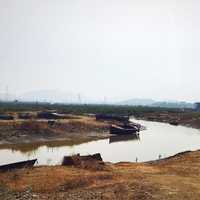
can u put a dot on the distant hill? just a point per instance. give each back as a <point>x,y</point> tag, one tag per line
<point>137,102</point>
<point>153,103</point>
<point>56,96</point>
<point>173,104</point>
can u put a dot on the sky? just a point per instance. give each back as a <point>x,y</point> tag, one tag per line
<point>113,49</point>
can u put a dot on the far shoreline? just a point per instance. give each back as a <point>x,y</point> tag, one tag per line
<point>82,129</point>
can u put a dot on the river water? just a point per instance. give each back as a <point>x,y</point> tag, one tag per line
<point>159,139</point>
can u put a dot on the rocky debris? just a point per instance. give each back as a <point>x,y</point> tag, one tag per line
<point>119,191</point>
<point>27,194</point>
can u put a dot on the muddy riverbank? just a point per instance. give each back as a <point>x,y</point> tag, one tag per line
<point>190,119</point>
<point>70,131</point>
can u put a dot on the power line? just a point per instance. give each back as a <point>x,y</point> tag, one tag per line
<point>7,93</point>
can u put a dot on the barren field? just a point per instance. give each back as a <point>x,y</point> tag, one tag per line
<point>190,119</point>
<point>175,178</point>
<point>76,130</point>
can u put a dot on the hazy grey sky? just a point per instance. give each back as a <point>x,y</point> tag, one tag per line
<point>112,48</point>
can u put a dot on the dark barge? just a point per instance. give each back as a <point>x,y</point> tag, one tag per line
<point>6,117</point>
<point>174,123</point>
<point>111,117</point>
<point>124,129</point>
<point>18,165</point>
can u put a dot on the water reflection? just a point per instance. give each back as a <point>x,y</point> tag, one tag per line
<point>27,148</point>
<point>123,138</point>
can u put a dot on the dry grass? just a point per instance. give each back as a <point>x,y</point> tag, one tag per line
<point>82,124</point>
<point>32,125</point>
<point>37,132</point>
<point>183,118</point>
<point>49,179</point>
<point>73,124</point>
<point>171,179</point>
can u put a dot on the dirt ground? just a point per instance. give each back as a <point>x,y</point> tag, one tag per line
<point>175,178</point>
<point>76,130</point>
<point>190,119</point>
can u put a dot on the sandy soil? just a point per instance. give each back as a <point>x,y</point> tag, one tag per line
<point>175,178</point>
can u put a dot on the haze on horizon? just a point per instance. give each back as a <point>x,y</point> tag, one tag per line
<point>114,49</point>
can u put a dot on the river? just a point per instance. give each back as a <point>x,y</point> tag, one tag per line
<point>158,140</point>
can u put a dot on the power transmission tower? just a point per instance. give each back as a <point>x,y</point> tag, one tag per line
<point>79,99</point>
<point>7,94</point>
<point>104,100</point>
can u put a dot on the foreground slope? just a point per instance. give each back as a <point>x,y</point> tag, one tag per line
<point>174,178</point>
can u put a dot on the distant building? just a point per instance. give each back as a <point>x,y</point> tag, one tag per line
<point>197,107</point>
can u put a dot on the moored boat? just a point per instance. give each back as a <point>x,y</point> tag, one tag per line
<point>174,123</point>
<point>123,129</point>
<point>18,165</point>
<point>6,117</point>
<point>112,117</point>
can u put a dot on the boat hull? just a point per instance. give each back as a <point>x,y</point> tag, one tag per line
<point>18,165</point>
<point>108,117</point>
<point>118,130</point>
